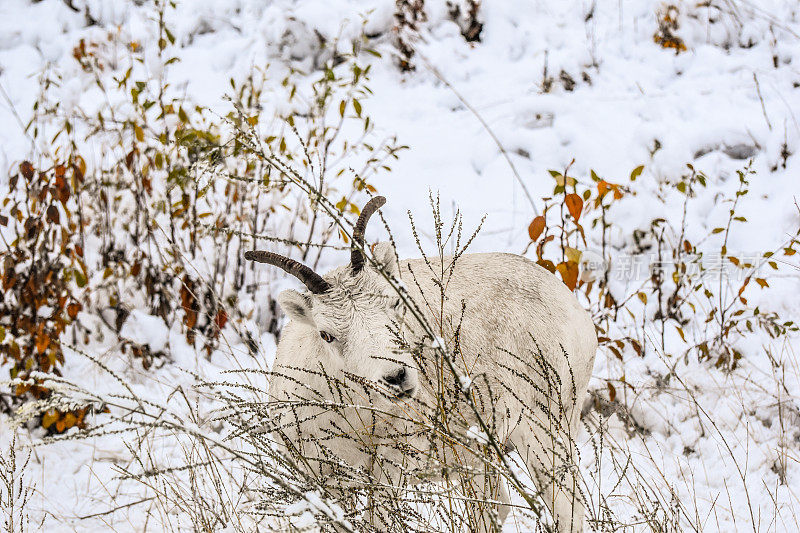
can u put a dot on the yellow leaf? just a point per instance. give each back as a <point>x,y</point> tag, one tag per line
<point>49,417</point>
<point>139,132</point>
<point>573,254</point>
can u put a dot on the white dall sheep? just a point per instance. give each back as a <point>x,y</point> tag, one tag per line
<point>522,338</point>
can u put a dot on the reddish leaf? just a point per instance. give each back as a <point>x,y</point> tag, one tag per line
<point>221,319</point>
<point>536,228</point>
<point>574,205</point>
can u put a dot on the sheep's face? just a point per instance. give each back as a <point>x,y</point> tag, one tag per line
<point>354,326</point>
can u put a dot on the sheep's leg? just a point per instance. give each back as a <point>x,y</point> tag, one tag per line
<point>505,500</point>
<point>550,461</point>
<point>482,514</point>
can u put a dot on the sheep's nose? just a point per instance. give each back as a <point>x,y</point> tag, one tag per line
<point>397,378</point>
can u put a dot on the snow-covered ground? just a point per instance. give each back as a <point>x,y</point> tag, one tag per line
<point>548,82</point>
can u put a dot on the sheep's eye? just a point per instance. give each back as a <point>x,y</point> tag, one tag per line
<point>327,337</point>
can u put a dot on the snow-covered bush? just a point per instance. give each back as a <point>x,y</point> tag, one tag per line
<point>142,200</point>
<point>658,274</point>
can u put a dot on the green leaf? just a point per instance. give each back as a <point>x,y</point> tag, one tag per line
<point>636,172</point>
<point>357,107</point>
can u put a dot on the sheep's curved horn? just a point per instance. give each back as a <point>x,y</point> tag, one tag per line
<point>310,279</point>
<point>357,247</point>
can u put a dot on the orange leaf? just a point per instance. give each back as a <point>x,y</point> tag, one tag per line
<point>73,309</point>
<point>42,342</point>
<point>70,420</point>
<point>536,228</point>
<point>569,273</point>
<point>574,205</point>
<point>762,282</point>
<point>191,319</point>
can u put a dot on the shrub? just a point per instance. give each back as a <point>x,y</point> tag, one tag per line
<point>160,220</point>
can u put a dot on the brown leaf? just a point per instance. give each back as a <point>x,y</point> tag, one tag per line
<point>26,168</point>
<point>53,215</point>
<point>536,227</point>
<point>637,347</point>
<point>762,282</point>
<point>73,309</point>
<point>612,392</point>
<point>574,205</point>
<point>62,188</point>
<point>546,263</point>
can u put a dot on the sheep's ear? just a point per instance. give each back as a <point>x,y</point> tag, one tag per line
<point>385,255</point>
<point>296,306</point>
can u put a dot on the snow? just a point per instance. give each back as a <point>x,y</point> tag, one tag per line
<point>722,444</point>
<point>142,328</point>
